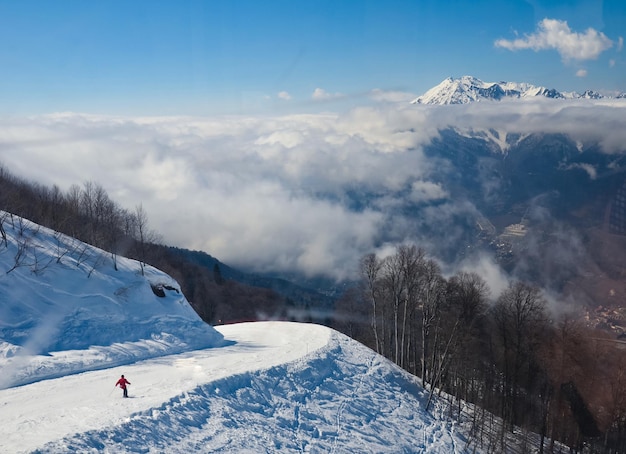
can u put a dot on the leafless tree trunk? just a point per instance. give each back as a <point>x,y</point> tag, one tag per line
<point>20,255</point>
<point>370,269</point>
<point>141,219</point>
<point>2,231</point>
<point>431,295</point>
<point>519,314</point>
<point>394,284</point>
<point>412,264</point>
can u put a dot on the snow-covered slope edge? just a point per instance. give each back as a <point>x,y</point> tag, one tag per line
<point>65,308</point>
<point>341,397</point>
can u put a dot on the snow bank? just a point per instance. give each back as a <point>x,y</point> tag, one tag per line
<point>58,294</point>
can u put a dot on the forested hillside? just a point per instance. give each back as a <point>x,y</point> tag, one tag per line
<point>512,353</point>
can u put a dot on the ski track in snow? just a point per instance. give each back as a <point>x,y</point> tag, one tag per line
<point>279,387</point>
<point>69,329</point>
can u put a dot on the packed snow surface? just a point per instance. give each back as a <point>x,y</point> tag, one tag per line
<point>276,387</point>
<point>74,318</point>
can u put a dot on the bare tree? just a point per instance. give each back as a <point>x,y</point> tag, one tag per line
<point>393,281</point>
<point>3,233</point>
<point>370,271</point>
<point>21,254</point>
<point>519,316</point>
<point>141,224</point>
<point>412,262</point>
<point>87,208</point>
<point>62,249</point>
<point>432,291</point>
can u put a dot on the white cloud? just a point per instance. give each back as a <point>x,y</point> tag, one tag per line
<point>581,73</point>
<point>544,115</point>
<point>274,193</point>
<point>391,96</point>
<point>319,94</point>
<point>556,34</point>
<point>284,95</point>
<point>426,191</point>
<point>592,172</point>
<point>286,138</point>
<point>485,266</point>
<point>254,191</point>
<point>620,43</point>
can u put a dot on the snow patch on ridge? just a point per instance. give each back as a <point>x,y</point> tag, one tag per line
<point>499,138</point>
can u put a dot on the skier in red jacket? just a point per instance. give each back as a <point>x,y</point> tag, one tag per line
<point>122,382</point>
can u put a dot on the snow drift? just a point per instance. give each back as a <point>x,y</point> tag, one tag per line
<point>58,294</point>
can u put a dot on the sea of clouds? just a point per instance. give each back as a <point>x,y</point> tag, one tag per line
<point>310,193</point>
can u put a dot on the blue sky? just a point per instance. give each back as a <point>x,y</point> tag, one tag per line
<point>206,57</point>
<point>131,95</point>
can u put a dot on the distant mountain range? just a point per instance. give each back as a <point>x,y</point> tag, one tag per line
<point>469,89</point>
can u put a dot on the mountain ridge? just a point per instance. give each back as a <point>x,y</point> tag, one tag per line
<point>468,89</point>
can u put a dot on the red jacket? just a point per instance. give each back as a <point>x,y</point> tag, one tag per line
<point>122,382</point>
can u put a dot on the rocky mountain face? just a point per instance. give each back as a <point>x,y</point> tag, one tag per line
<point>549,209</point>
<point>549,212</point>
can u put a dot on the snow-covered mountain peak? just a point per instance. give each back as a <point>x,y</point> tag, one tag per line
<point>591,94</point>
<point>468,89</point>
<point>463,90</point>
